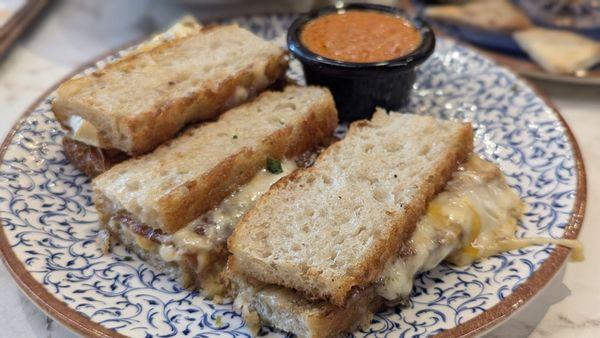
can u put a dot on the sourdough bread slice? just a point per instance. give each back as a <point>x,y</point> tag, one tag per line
<point>187,176</point>
<point>144,99</point>
<point>290,311</point>
<point>334,226</point>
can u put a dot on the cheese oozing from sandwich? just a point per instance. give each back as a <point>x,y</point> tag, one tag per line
<point>199,248</point>
<point>214,227</point>
<point>474,217</point>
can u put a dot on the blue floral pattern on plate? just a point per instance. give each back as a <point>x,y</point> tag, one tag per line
<point>51,224</point>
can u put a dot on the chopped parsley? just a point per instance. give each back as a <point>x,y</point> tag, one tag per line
<point>218,321</point>
<point>234,137</point>
<point>127,258</point>
<point>274,166</point>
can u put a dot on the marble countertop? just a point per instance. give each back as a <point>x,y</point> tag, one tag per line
<point>71,33</point>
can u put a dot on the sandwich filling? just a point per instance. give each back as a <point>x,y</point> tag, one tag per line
<point>474,217</point>
<point>199,248</point>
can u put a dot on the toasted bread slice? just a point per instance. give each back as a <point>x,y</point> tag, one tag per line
<point>143,100</point>
<point>557,51</point>
<point>494,15</point>
<point>333,226</point>
<point>187,176</point>
<point>289,310</point>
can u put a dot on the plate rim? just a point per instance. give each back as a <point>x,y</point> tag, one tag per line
<point>78,323</point>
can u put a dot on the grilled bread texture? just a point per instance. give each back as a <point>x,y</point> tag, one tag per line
<point>333,227</point>
<point>290,311</point>
<point>189,175</point>
<point>144,99</point>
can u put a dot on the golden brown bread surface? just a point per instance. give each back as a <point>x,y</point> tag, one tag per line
<point>559,51</point>
<point>189,175</point>
<point>333,227</point>
<point>290,311</point>
<point>146,98</point>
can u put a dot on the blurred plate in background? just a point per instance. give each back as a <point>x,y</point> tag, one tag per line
<point>504,49</point>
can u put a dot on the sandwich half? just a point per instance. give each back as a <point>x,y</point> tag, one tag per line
<point>177,205</point>
<point>347,215</point>
<point>133,105</point>
<point>474,216</point>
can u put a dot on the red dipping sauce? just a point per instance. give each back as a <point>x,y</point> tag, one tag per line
<point>360,36</point>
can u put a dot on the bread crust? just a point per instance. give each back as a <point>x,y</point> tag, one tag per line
<point>140,133</point>
<point>191,199</point>
<point>183,203</point>
<point>290,311</point>
<point>371,266</point>
<point>93,161</point>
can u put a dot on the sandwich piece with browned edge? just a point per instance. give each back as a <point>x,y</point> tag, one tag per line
<point>473,217</point>
<point>333,227</point>
<point>131,106</point>
<point>178,204</point>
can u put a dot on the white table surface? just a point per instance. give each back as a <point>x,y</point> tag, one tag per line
<point>71,33</point>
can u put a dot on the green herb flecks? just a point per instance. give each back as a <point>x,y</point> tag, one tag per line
<point>234,137</point>
<point>274,166</point>
<point>218,321</point>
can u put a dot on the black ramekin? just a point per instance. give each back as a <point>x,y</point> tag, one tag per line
<point>360,87</point>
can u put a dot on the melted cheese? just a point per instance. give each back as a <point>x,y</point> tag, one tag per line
<point>219,222</point>
<point>474,217</point>
<point>82,130</point>
<point>241,94</point>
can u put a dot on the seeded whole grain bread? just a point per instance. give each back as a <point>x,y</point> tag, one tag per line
<point>189,175</point>
<point>333,227</point>
<point>183,271</point>
<point>147,97</point>
<point>290,311</point>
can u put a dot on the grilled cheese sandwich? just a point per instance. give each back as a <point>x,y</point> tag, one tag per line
<point>177,205</point>
<point>474,217</point>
